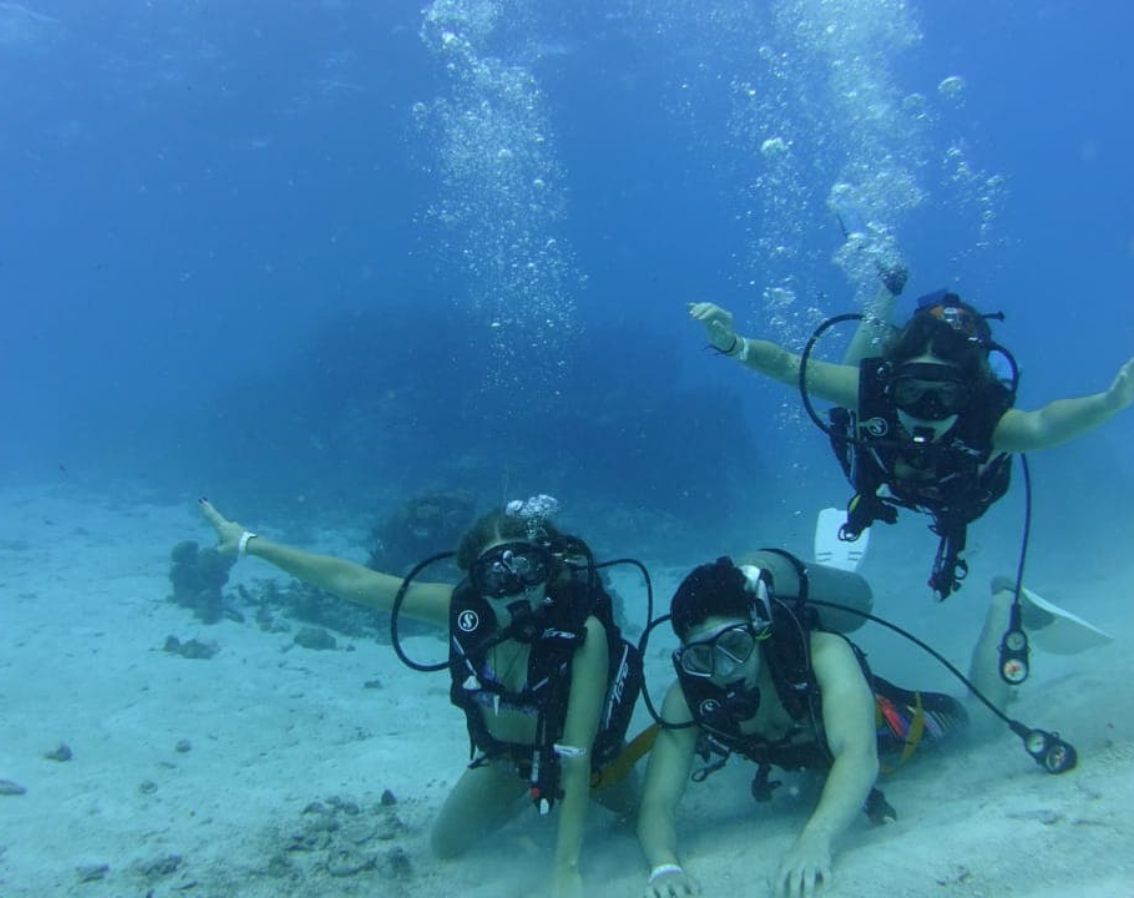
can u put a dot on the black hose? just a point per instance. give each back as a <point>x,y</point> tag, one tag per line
<point>399,597</point>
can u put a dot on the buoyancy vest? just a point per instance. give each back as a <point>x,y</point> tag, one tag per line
<point>555,631</point>
<point>963,476</point>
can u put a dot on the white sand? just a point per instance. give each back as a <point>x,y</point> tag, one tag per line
<point>273,727</point>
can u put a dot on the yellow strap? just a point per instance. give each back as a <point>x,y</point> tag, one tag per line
<point>913,737</point>
<point>618,769</point>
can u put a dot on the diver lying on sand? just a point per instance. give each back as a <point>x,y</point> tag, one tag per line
<point>764,671</point>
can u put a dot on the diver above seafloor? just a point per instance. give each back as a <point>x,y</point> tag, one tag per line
<point>924,419</point>
<point>537,662</point>
<point>764,671</point>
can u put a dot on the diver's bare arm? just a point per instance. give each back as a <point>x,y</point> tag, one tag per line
<point>666,776</point>
<point>835,383</point>
<point>848,719</point>
<point>1064,419</point>
<point>584,707</point>
<point>427,602</point>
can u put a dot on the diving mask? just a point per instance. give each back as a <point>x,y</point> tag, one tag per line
<point>509,569</point>
<point>929,392</point>
<point>721,654</point>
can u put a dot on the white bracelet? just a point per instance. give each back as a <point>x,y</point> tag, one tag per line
<point>242,548</point>
<point>743,354</point>
<point>662,870</point>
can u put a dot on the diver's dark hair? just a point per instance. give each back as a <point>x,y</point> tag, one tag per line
<point>924,333</point>
<point>710,590</point>
<point>496,526</point>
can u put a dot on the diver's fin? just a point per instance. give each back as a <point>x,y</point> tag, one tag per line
<point>1052,628</point>
<point>842,204</point>
<point>835,552</point>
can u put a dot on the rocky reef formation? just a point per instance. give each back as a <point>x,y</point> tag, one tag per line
<point>198,577</point>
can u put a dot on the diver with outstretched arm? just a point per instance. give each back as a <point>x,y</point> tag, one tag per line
<point>926,422</point>
<point>538,667</point>
<point>1017,431</point>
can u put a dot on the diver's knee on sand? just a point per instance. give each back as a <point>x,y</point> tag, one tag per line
<point>482,801</point>
<point>448,842</point>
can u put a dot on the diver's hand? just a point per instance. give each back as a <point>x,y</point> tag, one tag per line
<point>676,884</point>
<point>1121,392</point>
<point>717,322</point>
<point>805,869</point>
<point>228,532</point>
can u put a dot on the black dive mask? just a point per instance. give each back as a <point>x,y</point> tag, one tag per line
<point>927,391</point>
<point>722,653</point>
<point>509,569</point>
<point>736,702</point>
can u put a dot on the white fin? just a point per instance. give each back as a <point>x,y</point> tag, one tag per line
<point>835,552</point>
<point>1058,631</point>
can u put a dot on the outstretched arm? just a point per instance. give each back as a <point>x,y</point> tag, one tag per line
<point>848,719</point>
<point>1064,419</point>
<point>668,772</point>
<point>835,383</point>
<point>427,602</point>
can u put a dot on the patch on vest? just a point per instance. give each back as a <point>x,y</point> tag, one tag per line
<point>876,427</point>
<point>468,621</point>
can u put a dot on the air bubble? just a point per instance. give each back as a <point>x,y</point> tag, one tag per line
<point>774,147</point>
<point>952,88</point>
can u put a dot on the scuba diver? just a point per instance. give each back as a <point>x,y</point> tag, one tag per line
<point>924,421</point>
<point>536,661</point>
<point>764,671</point>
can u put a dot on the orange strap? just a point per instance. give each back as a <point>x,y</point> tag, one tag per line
<point>618,769</point>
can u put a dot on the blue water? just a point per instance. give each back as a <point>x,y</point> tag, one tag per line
<point>349,251</point>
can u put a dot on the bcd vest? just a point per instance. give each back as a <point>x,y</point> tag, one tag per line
<point>962,476</point>
<point>555,631</point>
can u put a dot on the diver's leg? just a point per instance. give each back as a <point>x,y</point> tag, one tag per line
<point>875,329</point>
<point>984,670</point>
<point>482,801</point>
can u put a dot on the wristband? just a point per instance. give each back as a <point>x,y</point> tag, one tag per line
<point>663,870</point>
<point>242,547</point>
<point>743,354</point>
<point>726,352</point>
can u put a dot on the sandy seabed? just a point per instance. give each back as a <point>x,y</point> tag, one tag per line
<point>261,771</point>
